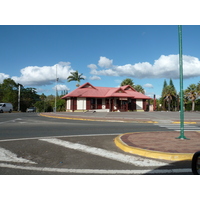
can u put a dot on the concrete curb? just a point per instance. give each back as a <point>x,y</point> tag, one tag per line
<point>152,154</point>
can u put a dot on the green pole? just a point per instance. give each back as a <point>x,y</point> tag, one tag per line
<point>181,84</point>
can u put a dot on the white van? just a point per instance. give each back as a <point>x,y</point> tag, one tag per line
<point>6,107</point>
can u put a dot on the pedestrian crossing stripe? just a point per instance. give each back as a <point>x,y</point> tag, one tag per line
<point>176,127</point>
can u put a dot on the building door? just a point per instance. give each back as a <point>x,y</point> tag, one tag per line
<point>88,103</point>
<point>111,105</point>
<point>118,104</point>
<point>99,103</point>
<point>93,103</point>
<point>107,104</point>
<point>73,103</point>
<point>133,102</point>
<point>124,106</point>
<point>144,104</point>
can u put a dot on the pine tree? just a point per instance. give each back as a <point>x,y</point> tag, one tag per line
<point>164,86</point>
<point>171,83</point>
<point>162,95</point>
<point>174,98</point>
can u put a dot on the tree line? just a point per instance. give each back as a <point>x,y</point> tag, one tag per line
<point>170,99</point>
<point>9,93</point>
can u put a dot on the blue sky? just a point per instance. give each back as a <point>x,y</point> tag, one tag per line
<point>105,54</point>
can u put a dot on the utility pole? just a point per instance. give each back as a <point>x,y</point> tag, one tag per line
<point>19,97</point>
<point>181,85</point>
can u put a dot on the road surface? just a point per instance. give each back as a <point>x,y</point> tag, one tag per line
<point>31,144</point>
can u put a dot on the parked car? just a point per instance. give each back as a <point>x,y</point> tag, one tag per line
<point>31,109</point>
<point>6,107</point>
<point>196,163</point>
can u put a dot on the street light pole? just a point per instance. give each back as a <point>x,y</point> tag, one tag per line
<point>56,89</point>
<point>181,85</point>
<point>19,97</point>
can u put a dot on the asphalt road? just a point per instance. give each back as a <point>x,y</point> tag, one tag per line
<point>31,144</point>
<point>28,125</point>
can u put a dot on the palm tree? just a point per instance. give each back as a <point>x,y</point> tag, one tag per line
<point>75,76</point>
<point>168,93</point>
<point>192,93</point>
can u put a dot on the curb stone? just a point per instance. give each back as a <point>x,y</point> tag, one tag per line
<point>151,154</point>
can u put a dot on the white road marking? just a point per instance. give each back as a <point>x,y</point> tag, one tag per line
<point>176,127</point>
<point>98,171</point>
<point>37,138</point>
<point>6,155</point>
<point>14,120</point>
<point>105,153</point>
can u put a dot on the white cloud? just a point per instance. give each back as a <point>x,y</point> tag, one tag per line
<point>95,78</point>
<point>92,66</point>
<point>3,76</point>
<point>61,88</point>
<point>164,67</point>
<point>42,90</point>
<point>105,62</point>
<point>46,75</point>
<point>148,85</point>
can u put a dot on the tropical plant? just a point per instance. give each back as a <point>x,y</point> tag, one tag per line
<point>168,94</point>
<point>192,92</point>
<point>75,76</point>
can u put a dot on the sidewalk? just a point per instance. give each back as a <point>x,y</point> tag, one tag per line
<point>157,145</point>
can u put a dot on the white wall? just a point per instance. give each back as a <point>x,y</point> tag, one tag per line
<point>139,104</point>
<point>81,103</point>
<point>68,103</point>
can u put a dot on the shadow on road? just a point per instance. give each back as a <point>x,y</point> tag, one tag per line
<point>175,168</point>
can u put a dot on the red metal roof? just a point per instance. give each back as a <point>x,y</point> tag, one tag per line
<point>88,90</point>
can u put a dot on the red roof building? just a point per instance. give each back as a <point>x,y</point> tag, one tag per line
<point>89,97</point>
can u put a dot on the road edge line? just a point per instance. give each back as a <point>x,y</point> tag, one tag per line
<point>100,120</point>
